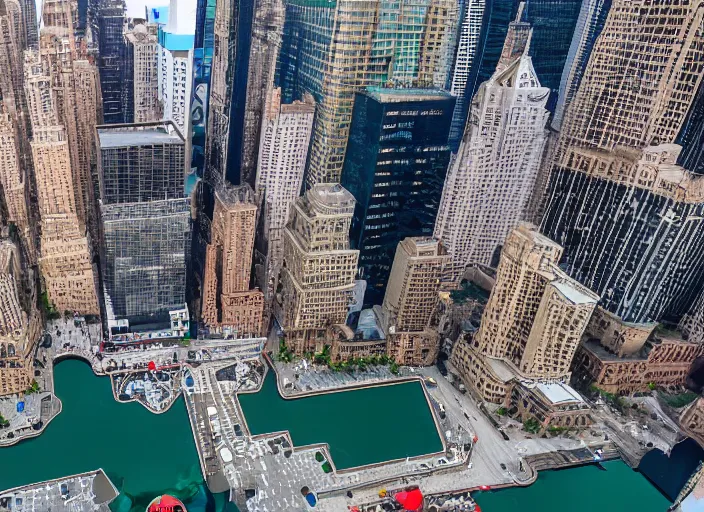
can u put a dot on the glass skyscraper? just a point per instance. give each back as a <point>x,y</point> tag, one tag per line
<point>395,167</point>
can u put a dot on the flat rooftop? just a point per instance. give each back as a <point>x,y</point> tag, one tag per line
<point>573,293</point>
<point>134,135</point>
<point>559,393</point>
<point>384,95</point>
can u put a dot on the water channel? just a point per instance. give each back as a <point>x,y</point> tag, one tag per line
<point>147,454</point>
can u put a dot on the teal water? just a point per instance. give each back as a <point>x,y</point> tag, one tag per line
<point>144,454</point>
<point>582,489</point>
<point>363,426</point>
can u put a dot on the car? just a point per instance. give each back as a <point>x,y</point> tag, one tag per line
<point>503,466</point>
<point>64,491</point>
<point>484,487</point>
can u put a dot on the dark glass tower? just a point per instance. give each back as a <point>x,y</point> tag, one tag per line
<point>691,138</point>
<point>395,167</point>
<point>111,65</point>
<point>553,23</point>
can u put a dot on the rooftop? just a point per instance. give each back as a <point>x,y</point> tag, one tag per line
<point>559,393</point>
<point>385,95</point>
<point>137,134</point>
<point>575,293</point>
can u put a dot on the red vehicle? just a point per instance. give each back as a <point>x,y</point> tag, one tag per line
<point>484,487</point>
<point>166,503</point>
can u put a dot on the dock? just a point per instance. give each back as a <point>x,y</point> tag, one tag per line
<point>91,491</point>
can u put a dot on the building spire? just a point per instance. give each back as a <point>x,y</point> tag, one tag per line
<point>517,40</point>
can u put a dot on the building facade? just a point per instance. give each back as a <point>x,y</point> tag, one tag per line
<point>286,131</point>
<point>229,306</point>
<point>628,216</point>
<point>111,51</point>
<point>60,156</point>
<point>395,167</point>
<point>411,299</point>
<point>145,221</point>
<point>532,323</point>
<point>318,273</point>
<point>142,49</point>
<point>489,184</point>
<point>334,50</point>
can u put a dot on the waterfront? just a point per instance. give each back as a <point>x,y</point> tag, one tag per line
<point>147,454</point>
<point>144,454</point>
<point>364,426</point>
<point>581,489</point>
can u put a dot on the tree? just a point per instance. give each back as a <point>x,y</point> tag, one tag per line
<point>394,368</point>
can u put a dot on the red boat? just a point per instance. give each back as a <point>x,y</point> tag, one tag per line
<point>166,503</point>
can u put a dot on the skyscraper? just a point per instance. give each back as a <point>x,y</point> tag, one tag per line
<point>533,322</point>
<point>59,154</point>
<point>228,305</point>
<point>145,221</point>
<point>395,167</point>
<point>490,182</point>
<point>553,23</point>
<point>629,218</point>
<point>473,12</point>
<point>111,51</point>
<point>410,300</point>
<point>247,37</point>
<point>691,136</point>
<point>286,131</point>
<point>142,50</point>
<point>590,23</point>
<point>318,274</point>
<point>175,67</point>
<point>336,49</point>
<point>15,162</point>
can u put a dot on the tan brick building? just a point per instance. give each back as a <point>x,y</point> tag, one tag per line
<point>410,300</point>
<point>20,321</point>
<point>319,268</point>
<point>663,360</point>
<point>530,329</point>
<point>62,158</point>
<point>15,161</point>
<point>229,306</point>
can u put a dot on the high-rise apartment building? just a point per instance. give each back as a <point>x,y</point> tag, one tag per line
<point>334,50</point>
<point>318,273</point>
<point>229,306</point>
<point>15,160</point>
<point>489,184</point>
<point>55,85</point>
<point>175,65</point>
<point>286,130</point>
<point>142,86</point>
<point>111,51</point>
<point>629,218</point>
<point>410,301</point>
<point>533,322</point>
<point>146,221</point>
<point>395,168</point>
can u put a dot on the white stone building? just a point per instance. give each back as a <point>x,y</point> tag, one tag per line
<point>285,135</point>
<point>490,182</point>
